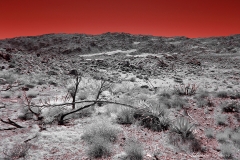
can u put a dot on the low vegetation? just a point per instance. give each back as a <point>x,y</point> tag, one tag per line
<point>166,112</point>
<point>134,150</point>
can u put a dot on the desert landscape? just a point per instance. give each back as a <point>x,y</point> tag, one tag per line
<point>119,96</point>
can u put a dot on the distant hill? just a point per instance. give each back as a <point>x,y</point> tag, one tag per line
<point>84,44</point>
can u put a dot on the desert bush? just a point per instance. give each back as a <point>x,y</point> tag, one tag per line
<point>202,94</point>
<point>7,78</point>
<point>127,100</point>
<point>87,112</point>
<point>5,94</point>
<point>201,103</point>
<point>17,151</point>
<point>221,119</point>
<point>143,96</point>
<point>51,114</point>
<point>189,144</point>
<point>222,94</point>
<point>165,94</point>
<point>231,107</point>
<point>166,102</point>
<point>123,87</point>
<point>154,116</point>
<point>164,122</point>
<point>185,89</point>
<point>32,94</point>
<point>158,110</point>
<point>222,137</point>
<point>178,102</point>
<point>25,114</point>
<point>133,149</point>
<point>201,98</point>
<point>125,116</point>
<point>102,129</point>
<point>18,94</point>
<point>82,95</point>
<point>111,109</point>
<point>99,148</point>
<point>209,133</point>
<point>237,95</point>
<point>235,137</point>
<point>226,151</point>
<point>154,121</point>
<point>184,128</point>
<point>41,82</point>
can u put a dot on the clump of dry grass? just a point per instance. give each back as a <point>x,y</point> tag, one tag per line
<point>17,151</point>
<point>227,151</point>
<point>6,94</point>
<point>221,119</point>
<point>222,94</point>
<point>125,116</point>
<point>222,137</point>
<point>32,94</point>
<point>133,149</point>
<point>99,148</point>
<point>209,133</point>
<point>99,137</point>
<point>102,129</point>
<point>235,137</point>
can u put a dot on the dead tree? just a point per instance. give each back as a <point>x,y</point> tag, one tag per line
<point>103,86</point>
<point>73,90</point>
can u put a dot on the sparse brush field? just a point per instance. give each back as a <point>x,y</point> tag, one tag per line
<point>61,108</point>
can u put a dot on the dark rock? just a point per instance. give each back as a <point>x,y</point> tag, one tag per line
<point>144,86</point>
<point>11,65</point>
<point>25,89</point>
<point>139,76</point>
<point>73,72</point>
<point>52,83</point>
<point>52,73</point>
<point>29,86</point>
<point>194,62</point>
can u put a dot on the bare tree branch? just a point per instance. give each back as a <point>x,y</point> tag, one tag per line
<point>29,106</point>
<point>78,80</point>
<point>11,123</point>
<point>7,129</point>
<point>61,121</point>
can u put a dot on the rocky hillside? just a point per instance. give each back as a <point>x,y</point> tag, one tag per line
<point>84,44</point>
<point>44,53</point>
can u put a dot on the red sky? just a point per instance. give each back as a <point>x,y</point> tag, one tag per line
<point>191,18</point>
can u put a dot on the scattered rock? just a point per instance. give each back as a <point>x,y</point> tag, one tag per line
<point>52,73</point>
<point>25,88</point>
<point>73,72</point>
<point>144,86</point>
<point>7,56</point>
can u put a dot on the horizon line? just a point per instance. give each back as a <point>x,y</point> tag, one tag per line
<point>38,35</point>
